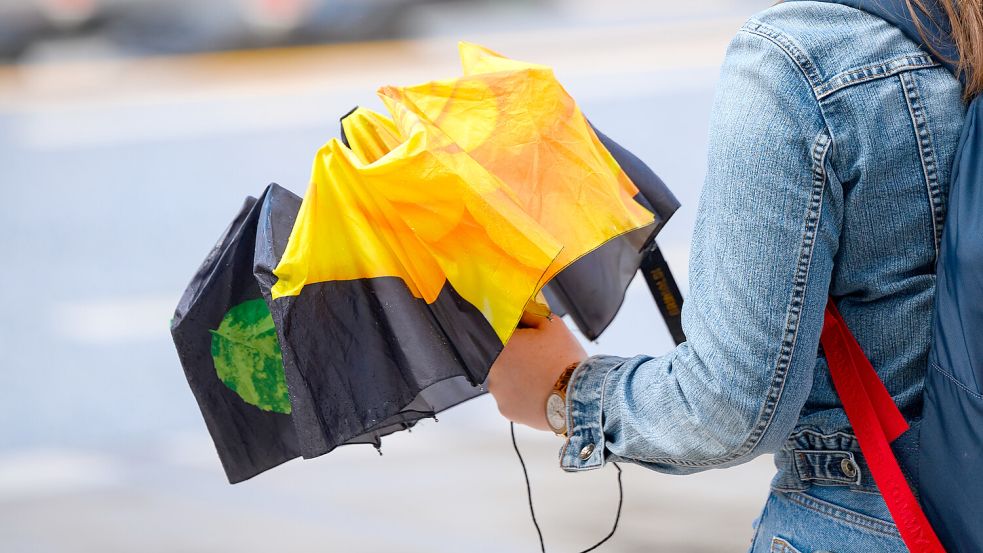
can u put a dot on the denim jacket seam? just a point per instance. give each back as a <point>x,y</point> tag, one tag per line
<point>765,416</point>
<point>600,416</point>
<point>574,388</point>
<point>791,49</point>
<point>823,88</point>
<point>795,444</point>
<point>793,316</point>
<point>843,515</point>
<point>874,71</point>
<point>819,434</point>
<point>801,462</point>
<point>926,154</point>
<point>797,55</point>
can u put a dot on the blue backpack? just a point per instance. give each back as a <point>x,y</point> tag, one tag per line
<point>945,468</point>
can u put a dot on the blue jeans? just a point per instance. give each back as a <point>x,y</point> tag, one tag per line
<point>831,519</point>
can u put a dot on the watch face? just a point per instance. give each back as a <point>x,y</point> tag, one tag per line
<point>556,413</point>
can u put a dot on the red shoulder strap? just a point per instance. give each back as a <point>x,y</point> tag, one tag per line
<point>876,422</point>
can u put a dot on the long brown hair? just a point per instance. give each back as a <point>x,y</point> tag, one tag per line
<point>965,19</point>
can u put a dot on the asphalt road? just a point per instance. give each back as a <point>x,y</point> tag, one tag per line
<point>118,175</point>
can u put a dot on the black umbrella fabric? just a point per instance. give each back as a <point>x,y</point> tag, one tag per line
<point>362,358</point>
<point>227,345</point>
<point>225,337</point>
<point>592,289</point>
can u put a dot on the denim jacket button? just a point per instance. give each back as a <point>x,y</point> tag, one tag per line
<point>586,452</point>
<point>848,467</point>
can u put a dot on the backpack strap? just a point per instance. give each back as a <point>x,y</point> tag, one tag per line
<point>876,422</point>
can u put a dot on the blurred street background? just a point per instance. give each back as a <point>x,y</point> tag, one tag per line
<point>131,130</point>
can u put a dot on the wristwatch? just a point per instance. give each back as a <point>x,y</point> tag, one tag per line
<point>556,403</point>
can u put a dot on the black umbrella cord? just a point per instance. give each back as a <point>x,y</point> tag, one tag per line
<point>532,510</point>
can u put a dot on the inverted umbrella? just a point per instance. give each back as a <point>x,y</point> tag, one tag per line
<point>417,249</point>
<point>422,239</point>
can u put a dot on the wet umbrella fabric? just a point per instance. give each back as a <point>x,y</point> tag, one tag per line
<point>379,364</point>
<point>225,338</point>
<point>226,343</point>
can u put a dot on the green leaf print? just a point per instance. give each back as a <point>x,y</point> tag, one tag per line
<point>247,356</point>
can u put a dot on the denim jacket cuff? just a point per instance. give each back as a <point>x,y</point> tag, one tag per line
<point>584,448</point>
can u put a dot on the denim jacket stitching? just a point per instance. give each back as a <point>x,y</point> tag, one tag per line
<point>811,224</point>
<point>844,515</point>
<point>873,72</point>
<point>576,381</point>
<point>821,88</point>
<point>926,152</point>
<point>818,434</point>
<point>801,462</point>
<point>811,435</point>
<point>599,448</point>
<point>801,279</point>
<point>795,52</point>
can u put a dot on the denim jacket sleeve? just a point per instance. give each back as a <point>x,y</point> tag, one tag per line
<point>766,233</point>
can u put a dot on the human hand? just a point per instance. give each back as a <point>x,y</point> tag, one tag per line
<point>524,373</point>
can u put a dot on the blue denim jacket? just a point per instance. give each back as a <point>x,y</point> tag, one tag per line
<point>832,138</point>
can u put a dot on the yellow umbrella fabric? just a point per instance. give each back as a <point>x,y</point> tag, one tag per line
<point>491,183</point>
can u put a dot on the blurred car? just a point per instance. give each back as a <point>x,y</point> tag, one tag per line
<point>24,21</point>
<point>181,26</point>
